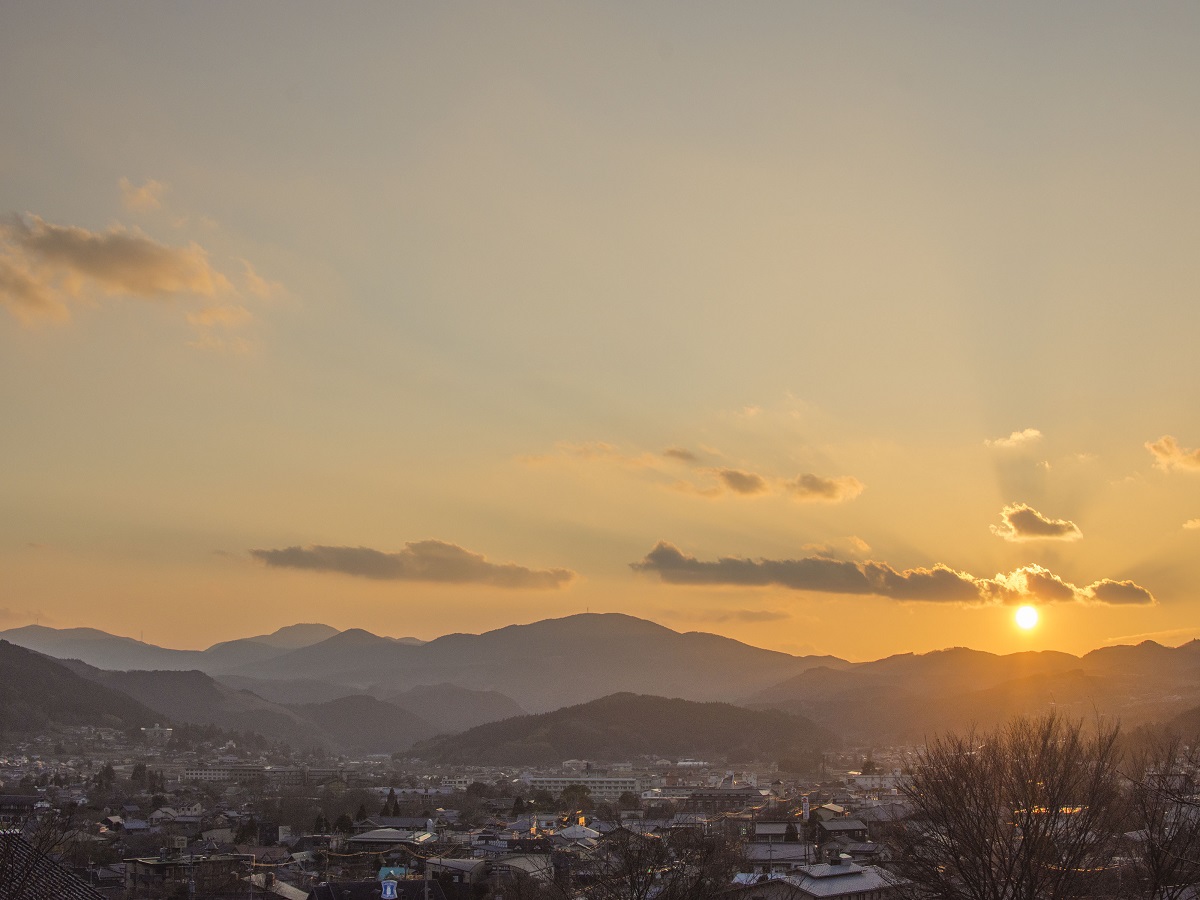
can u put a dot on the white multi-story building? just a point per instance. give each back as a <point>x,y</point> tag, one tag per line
<point>607,787</point>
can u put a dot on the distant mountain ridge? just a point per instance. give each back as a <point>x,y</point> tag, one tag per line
<point>459,681</point>
<point>540,666</point>
<point>905,698</point>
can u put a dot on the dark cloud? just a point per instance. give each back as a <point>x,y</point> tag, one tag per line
<point>435,561</point>
<point>1119,592</point>
<point>742,482</point>
<point>831,576</point>
<point>121,261</point>
<point>814,573</point>
<point>828,490</point>
<point>1022,522</point>
<point>1168,455</point>
<point>680,453</point>
<point>1042,584</point>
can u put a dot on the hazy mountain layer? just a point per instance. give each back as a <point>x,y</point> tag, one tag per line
<point>622,726</point>
<point>902,699</point>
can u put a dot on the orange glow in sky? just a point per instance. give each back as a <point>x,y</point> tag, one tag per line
<point>832,330</point>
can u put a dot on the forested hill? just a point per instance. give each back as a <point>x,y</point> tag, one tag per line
<point>37,693</point>
<point>623,726</point>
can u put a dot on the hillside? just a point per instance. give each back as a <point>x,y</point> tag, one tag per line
<point>364,724</point>
<point>451,709</point>
<point>198,699</point>
<point>355,723</point>
<point>622,726</point>
<point>37,693</point>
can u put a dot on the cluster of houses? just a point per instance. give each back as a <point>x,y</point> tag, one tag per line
<point>188,845</point>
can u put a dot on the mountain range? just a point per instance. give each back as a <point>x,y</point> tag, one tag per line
<point>357,689</point>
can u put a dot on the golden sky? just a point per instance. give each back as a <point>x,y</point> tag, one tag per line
<point>837,328</point>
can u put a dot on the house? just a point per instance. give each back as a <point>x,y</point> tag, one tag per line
<point>851,829</point>
<point>778,858</point>
<point>839,879</point>
<point>17,808</point>
<point>770,832</point>
<point>829,881</point>
<point>165,874</point>
<point>537,866</point>
<point>457,871</point>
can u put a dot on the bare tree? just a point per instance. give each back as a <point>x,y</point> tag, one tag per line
<point>25,850</point>
<point>1163,842</point>
<point>684,864</point>
<point>1028,811</point>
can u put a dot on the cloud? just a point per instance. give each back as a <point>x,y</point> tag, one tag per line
<point>145,198</point>
<point>1119,592</point>
<point>742,482</point>
<point>118,260</point>
<point>257,285</point>
<point>1192,524</point>
<point>680,453</point>
<point>23,292</point>
<point>435,561</point>
<point>1016,439</point>
<point>831,576</point>
<point>1022,522</point>
<point>44,265</point>
<point>723,481</point>
<point>1168,455</point>
<point>810,488</point>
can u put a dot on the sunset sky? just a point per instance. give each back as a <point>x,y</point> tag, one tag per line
<point>839,328</point>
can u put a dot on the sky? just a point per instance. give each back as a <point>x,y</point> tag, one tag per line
<point>833,328</point>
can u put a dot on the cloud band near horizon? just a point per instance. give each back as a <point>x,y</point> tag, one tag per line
<point>429,560</point>
<point>937,584</point>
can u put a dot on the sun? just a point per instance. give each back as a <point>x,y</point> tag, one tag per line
<point>1027,617</point>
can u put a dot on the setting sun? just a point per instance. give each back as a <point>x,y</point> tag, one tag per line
<point>1027,617</point>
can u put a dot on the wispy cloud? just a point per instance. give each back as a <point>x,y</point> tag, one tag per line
<point>701,479</point>
<point>46,268</point>
<point>1021,522</point>
<point>430,560</point>
<point>145,197</point>
<point>1016,439</point>
<point>593,451</point>
<point>682,454</point>
<point>1169,455</point>
<point>939,583</point>
<point>824,490</point>
<point>746,483</point>
<point>1192,524</point>
<point>730,615</point>
<point>43,266</point>
<point>257,285</point>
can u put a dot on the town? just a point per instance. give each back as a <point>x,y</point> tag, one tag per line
<point>186,812</point>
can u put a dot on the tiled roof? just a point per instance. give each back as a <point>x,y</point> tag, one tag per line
<point>29,874</point>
